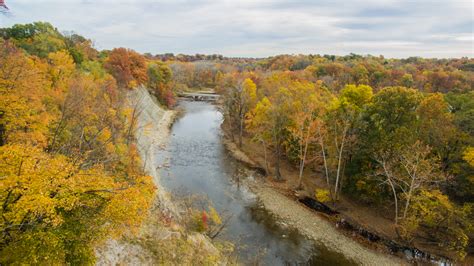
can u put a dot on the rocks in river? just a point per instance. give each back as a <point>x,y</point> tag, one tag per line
<point>165,165</point>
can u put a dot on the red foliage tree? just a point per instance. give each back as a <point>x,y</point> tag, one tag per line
<point>127,66</point>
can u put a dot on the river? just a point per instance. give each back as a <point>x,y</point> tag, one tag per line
<point>199,166</point>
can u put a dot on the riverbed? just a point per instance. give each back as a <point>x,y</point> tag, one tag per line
<point>197,166</point>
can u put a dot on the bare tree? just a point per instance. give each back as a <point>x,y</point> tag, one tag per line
<point>407,172</point>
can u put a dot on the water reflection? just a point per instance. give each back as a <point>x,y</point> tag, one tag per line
<point>199,165</point>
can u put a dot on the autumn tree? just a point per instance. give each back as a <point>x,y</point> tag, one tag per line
<point>360,74</point>
<point>257,124</point>
<point>41,191</point>
<point>306,120</point>
<point>127,66</point>
<point>23,116</point>
<point>70,175</point>
<point>407,173</point>
<point>38,38</point>
<point>80,48</point>
<point>61,68</point>
<point>449,225</point>
<point>461,106</point>
<point>391,121</point>
<point>436,127</point>
<point>342,120</point>
<point>238,102</point>
<point>159,80</point>
<point>271,117</point>
<point>247,95</point>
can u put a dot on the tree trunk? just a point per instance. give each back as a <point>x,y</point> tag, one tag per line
<point>321,143</point>
<point>265,156</point>
<point>394,198</point>
<point>277,164</point>
<point>407,204</point>
<point>339,163</point>
<point>392,186</point>
<point>241,129</point>
<point>302,163</point>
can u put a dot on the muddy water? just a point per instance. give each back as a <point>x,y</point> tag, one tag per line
<point>198,165</point>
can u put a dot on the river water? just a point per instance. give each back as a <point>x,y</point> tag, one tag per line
<point>199,166</point>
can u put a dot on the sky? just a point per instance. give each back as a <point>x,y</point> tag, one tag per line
<point>260,28</point>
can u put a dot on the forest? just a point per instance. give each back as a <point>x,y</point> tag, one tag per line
<point>396,134</point>
<point>70,172</point>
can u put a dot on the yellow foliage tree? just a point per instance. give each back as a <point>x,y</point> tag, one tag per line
<point>23,86</point>
<point>70,174</point>
<point>61,68</point>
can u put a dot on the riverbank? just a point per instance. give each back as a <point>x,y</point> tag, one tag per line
<point>314,227</point>
<point>276,199</point>
<point>162,239</point>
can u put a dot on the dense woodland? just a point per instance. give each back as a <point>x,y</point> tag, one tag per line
<point>396,133</point>
<point>70,174</point>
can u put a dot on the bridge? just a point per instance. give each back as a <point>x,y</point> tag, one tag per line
<point>199,96</point>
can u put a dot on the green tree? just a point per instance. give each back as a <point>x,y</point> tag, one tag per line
<point>159,80</point>
<point>38,38</point>
<point>342,121</point>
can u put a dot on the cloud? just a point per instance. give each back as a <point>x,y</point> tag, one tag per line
<point>435,28</point>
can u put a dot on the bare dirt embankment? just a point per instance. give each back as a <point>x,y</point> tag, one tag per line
<point>308,222</point>
<point>162,239</point>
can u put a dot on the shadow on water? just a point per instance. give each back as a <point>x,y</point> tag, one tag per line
<point>199,165</point>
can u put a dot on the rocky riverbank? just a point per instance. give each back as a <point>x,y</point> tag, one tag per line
<point>308,222</point>
<point>314,227</point>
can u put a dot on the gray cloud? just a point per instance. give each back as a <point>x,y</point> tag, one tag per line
<point>394,28</point>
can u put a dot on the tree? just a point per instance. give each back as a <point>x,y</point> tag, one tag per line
<point>23,115</point>
<point>272,117</point>
<point>307,119</point>
<point>343,116</point>
<point>238,101</point>
<point>407,80</point>
<point>391,120</point>
<point>70,174</point>
<point>61,68</point>
<point>127,66</point>
<point>449,225</point>
<point>38,38</point>
<point>159,80</point>
<point>436,127</point>
<point>247,99</point>
<point>257,124</point>
<point>39,193</point>
<point>409,172</point>
<point>468,156</point>
<point>80,48</point>
<point>360,74</point>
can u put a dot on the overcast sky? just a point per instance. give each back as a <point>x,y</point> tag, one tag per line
<point>257,28</point>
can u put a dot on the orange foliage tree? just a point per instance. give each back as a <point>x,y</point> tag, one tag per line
<point>127,66</point>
